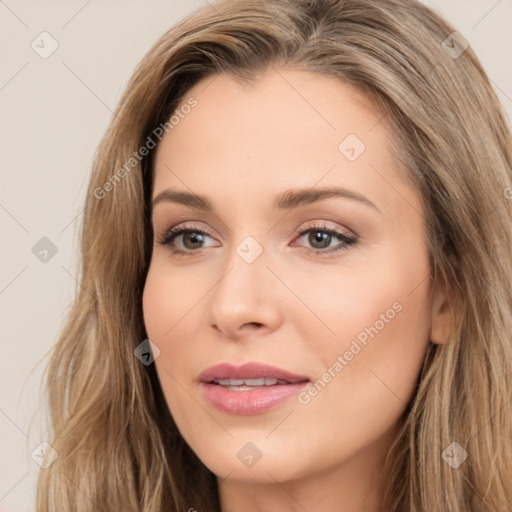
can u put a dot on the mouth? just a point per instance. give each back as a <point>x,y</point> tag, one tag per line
<point>249,389</point>
<point>247,384</point>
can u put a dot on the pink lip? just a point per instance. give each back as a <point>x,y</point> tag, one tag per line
<point>251,401</point>
<point>250,370</point>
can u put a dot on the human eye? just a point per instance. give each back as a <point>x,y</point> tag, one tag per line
<point>184,240</point>
<point>188,240</point>
<point>320,238</point>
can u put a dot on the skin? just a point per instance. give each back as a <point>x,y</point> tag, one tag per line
<point>242,146</point>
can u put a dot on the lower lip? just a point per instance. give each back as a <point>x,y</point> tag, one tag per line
<point>252,401</point>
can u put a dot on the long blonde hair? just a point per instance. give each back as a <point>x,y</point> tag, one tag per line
<point>118,446</point>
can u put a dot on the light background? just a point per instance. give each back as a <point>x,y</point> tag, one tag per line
<point>54,112</point>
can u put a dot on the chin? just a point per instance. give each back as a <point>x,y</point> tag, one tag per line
<point>256,461</point>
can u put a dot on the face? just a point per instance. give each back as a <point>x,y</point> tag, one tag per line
<point>305,252</point>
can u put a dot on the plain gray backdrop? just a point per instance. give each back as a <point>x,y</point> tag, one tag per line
<point>54,110</point>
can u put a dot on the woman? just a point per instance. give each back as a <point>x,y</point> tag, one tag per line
<point>295,290</point>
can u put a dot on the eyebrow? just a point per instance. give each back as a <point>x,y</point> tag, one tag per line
<point>287,200</point>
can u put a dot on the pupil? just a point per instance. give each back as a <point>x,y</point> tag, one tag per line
<point>195,238</point>
<point>317,237</point>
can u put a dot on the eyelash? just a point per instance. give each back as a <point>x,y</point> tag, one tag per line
<point>171,234</point>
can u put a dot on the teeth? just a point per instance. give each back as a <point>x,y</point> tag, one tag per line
<point>249,382</point>
<point>254,382</point>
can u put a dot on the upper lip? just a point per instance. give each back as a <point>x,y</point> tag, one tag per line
<point>251,370</point>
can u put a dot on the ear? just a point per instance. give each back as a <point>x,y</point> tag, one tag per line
<point>442,315</point>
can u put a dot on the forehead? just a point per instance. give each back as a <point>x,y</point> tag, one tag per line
<point>289,128</point>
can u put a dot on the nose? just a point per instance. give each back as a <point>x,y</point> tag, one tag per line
<point>246,298</point>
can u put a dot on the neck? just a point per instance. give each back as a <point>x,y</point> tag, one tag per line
<point>355,485</point>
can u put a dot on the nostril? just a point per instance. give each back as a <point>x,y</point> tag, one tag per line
<point>256,324</point>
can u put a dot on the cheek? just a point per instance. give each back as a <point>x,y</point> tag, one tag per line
<point>168,308</point>
<point>369,368</point>
<point>378,306</point>
<point>168,297</point>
